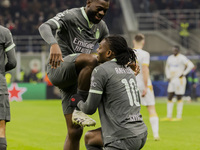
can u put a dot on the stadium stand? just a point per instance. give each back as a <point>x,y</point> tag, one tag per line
<point>23,17</point>
<point>159,20</point>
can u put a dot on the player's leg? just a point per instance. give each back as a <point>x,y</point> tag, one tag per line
<point>154,121</point>
<point>3,142</point>
<point>170,103</point>
<point>72,141</point>
<point>180,90</point>
<point>74,132</point>
<point>179,108</point>
<point>93,140</point>
<point>149,101</point>
<point>4,117</point>
<point>65,77</point>
<point>85,63</point>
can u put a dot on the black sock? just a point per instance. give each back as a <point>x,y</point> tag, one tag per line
<point>84,94</point>
<point>3,144</point>
<point>89,147</point>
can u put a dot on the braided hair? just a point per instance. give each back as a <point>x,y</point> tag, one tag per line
<point>124,54</point>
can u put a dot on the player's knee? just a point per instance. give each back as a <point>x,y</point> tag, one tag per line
<point>2,128</point>
<point>75,133</point>
<point>92,61</point>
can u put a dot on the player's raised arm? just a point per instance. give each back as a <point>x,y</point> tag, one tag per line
<point>189,66</point>
<point>46,32</point>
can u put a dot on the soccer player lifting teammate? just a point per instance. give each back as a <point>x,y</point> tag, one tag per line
<point>114,92</point>
<point>78,30</point>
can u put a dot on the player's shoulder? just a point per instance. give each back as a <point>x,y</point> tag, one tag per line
<point>181,55</point>
<point>184,57</point>
<point>102,23</point>
<point>4,32</point>
<point>142,53</point>
<point>170,56</point>
<point>74,12</point>
<point>106,66</point>
<point>4,29</point>
<point>145,52</point>
<point>99,70</point>
<point>69,14</point>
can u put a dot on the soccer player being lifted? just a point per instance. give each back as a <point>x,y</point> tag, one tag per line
<point>78,32</point>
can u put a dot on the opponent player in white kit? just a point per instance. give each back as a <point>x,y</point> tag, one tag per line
<point>177,67</point>
<point>145,85</point>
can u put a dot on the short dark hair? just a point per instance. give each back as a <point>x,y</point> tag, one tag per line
<point>177,47</point>
<point>119,46</point>
<point>139,37</point>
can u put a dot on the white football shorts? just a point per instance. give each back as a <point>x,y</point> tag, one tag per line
<point>177,85</point>
<point>149,98</point>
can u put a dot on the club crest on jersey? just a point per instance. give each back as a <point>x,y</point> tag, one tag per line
<point>80,29</point>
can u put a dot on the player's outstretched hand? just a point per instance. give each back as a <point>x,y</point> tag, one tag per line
<point>74,100</point>
<point>55,56</point>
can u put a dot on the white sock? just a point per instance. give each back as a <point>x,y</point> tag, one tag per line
<point>154,125</point>
<point>179,109</point>
<point>170,106</point>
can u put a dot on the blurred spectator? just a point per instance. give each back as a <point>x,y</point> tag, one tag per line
<point>35,74</point>
<point>191,85</point>
<point>24,17</point>
<point>184,33</point>
<point>8,77</point>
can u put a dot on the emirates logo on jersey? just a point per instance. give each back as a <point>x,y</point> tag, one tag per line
<point>82,46</point>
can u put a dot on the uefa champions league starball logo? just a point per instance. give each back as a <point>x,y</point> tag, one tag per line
<point>15,92</point>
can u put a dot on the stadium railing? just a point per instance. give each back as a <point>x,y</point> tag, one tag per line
<point>159,21</point>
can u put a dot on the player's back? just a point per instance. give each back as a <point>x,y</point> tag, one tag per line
<point>143,58</point>
<point>120,109</point>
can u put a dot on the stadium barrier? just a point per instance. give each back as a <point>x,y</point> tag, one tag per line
<point>41,91</point>
<point>160,88</point>
<point>32,91</point>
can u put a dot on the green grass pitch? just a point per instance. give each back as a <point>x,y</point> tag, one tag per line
<point>40,125</point>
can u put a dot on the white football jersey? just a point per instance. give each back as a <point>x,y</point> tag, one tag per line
<point>177,65</point>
